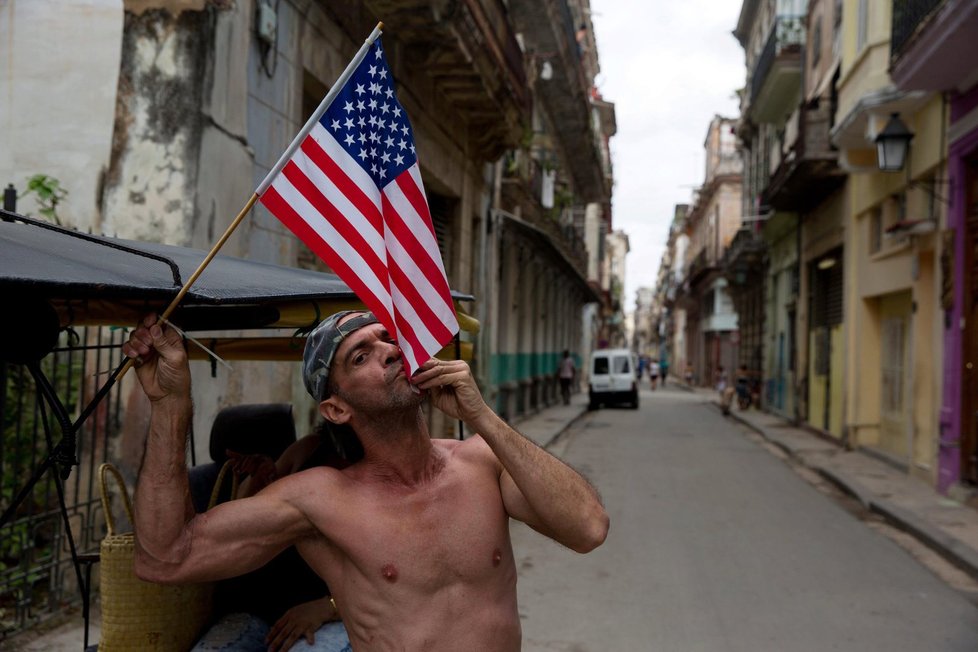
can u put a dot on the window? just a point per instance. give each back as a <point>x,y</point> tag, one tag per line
<point>862,25</point>
<point>622,365</point>
<point>816,43</point>
<point>600,366</point>
<point>875,230</point>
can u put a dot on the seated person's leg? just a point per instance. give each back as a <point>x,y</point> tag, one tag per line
<point>331,637</point>
<point>238,631</point>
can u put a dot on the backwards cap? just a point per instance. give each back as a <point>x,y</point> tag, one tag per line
<point>321,347</point>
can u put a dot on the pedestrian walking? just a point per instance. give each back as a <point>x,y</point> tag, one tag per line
<point>654,372</point>
<point>566,373</point>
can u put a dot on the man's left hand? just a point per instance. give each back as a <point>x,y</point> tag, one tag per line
<point>452,388</point>
<point>301,621</point>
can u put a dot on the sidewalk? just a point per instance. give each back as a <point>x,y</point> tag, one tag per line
<point>546,425</point>
<point>943,524</point>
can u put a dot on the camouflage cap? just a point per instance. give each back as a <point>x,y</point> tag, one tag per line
<point>321,346</point>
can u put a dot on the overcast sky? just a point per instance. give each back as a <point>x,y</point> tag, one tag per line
<point>669,66</point>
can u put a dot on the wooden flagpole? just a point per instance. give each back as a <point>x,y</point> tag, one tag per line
<point>197,272</point>
<point>286,156</point>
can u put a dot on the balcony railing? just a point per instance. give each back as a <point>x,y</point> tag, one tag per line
<point>787,35</point>
<point>908,16</point>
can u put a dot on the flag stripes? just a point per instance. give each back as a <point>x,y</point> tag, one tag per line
<point>380,242</point>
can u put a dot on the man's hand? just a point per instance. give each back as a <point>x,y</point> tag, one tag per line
<point>258,470</point>
<point>300,621</point>
<point>161,360</point>
<point>452,388</point>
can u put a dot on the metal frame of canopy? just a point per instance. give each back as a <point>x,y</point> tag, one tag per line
<point>54,279</point>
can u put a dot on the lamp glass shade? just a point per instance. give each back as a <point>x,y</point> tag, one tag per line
<point>892,145</point>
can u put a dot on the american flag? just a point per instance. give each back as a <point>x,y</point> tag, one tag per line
<point>352,192</point>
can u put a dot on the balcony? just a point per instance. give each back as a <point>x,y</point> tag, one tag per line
<point>547,28</point>
<point>776,80</point>
<point>470,52</point>
<point>807,167</point>
<point>932,43</point>
<point>745,261</point>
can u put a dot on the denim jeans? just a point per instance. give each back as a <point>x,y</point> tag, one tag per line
<point>246,633</point>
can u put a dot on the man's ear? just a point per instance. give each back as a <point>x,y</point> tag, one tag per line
<point>335,410</point>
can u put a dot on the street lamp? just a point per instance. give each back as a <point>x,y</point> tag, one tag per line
<point>892,144</point>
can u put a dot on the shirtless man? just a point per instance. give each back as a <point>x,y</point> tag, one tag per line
<point>413,540</point>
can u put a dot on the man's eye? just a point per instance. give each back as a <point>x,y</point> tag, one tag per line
<point>359,358</point>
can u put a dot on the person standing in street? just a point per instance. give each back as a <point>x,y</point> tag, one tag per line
<point>654,373</point>
<point>566,373</point>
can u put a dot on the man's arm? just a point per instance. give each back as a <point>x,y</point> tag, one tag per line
<point>172,543</point>
<point>537,488</point>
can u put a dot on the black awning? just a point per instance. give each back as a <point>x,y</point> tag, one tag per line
<point>98,279</point>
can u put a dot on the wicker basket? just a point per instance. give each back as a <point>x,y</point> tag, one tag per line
<point>143,616</point>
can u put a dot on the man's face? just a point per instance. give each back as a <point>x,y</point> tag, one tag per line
<point>368,372</point>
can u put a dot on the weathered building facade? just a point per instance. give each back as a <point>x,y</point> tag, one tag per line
<point>711,224</point>
<point>160,117</point>
<point>933,49</point>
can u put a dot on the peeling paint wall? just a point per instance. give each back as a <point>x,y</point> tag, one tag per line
<point>150,185</point>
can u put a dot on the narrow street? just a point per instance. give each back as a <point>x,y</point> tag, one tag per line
<point>716,544</point>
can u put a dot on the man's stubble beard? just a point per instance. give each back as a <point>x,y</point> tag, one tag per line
<point>390,406</point>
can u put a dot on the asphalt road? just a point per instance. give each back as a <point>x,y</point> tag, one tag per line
<point>717,545</point>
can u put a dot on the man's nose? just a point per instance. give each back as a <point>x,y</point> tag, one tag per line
<point>392,353</point>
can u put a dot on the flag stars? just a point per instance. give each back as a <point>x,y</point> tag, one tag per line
<point>383,73</point>
<point>348,107</point>
<point>389,93</point>
<point>386,158</point>
<point>373,105</point>
<point>389,142</point>
<point>398,160</point>
<point>349,140</point>
<point>361,122</point>
<point>336,125</point>
<point>404,130</point>
<point>362,154</point>
<point>397,111</point>
<point>402,144</point>
<point>383,173</point>
<point>373,71</point>
<point>349,123</point>
<point>378,53</point>
<point>360,90</point>
<point>361,106</point>
<point>384,108</point>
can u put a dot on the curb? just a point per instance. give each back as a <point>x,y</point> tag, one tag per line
<point>763,433</point>
<point>563,429</point>
<point>850,487</point>
<point>951,549</point>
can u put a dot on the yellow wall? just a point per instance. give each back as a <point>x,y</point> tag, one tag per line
<point>904,264</point>
<point>863,69</point>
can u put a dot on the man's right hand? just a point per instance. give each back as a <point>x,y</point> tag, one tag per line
<point>161,360</point>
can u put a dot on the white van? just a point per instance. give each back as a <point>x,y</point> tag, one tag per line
<point>612,378</point>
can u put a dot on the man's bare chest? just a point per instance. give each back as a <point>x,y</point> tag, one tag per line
<point>450,532</point>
